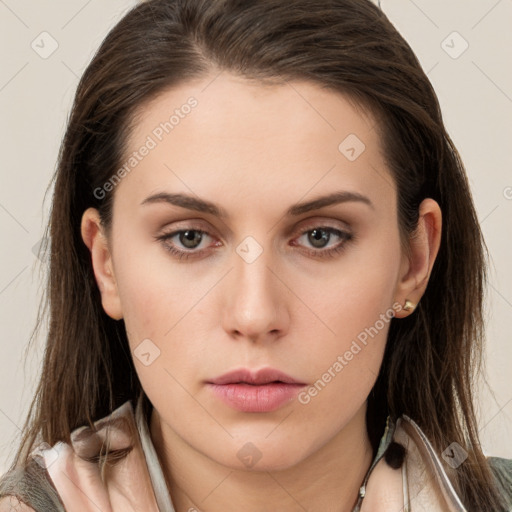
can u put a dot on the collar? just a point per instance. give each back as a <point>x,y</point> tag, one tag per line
<point>136,481</point>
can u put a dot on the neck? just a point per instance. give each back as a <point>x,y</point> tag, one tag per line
<point>327,480</point>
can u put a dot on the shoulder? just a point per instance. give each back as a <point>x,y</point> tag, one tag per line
<point>500,465</point>
<point>502,469</point>
<point>42,482</point>
<point>28,489</point>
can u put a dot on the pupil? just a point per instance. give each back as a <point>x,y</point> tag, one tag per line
<point>319,237</point>
<point>190,238</point>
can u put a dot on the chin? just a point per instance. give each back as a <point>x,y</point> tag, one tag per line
<point>259,456</point>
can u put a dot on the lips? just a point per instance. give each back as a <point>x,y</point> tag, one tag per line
<point>264,390</point>
<point>263,376</point>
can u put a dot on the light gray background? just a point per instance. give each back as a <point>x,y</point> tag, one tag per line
<point>475,91</point>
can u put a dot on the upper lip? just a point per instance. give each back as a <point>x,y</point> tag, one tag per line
<point>255,377</point>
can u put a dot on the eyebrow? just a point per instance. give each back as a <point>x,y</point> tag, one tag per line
<point>201,205</point>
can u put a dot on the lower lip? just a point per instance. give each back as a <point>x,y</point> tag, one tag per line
<point>250,398</point>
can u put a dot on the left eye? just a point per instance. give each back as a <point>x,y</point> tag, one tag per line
<point>320,237</point>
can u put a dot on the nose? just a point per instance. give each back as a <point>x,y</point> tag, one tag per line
<point>255,301</point>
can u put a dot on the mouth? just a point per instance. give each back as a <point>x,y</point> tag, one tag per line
<point>265,390</point>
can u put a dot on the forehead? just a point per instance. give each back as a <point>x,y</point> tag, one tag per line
<point>245,138</point>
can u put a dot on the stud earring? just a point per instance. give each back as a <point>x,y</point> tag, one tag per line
<point>409,306</point>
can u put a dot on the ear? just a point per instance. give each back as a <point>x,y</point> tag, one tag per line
<point>416,266</point>
<point>95,239</point>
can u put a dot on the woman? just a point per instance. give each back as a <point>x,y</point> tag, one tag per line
<point>266,275</point>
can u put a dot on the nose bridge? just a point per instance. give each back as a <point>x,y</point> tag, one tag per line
<point>255,306</point>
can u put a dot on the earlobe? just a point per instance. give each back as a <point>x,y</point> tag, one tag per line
<point>96,240</point>
<point>417,265</point>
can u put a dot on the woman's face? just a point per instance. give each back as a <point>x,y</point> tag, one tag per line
<point>257,230</point>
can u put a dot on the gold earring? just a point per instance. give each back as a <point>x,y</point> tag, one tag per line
<point>409,306</point>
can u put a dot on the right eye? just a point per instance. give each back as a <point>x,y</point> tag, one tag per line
<point>184,243</point>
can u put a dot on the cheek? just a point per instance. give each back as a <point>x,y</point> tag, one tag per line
<point>162,303</point>
<point>157,307</point>
<point>155,292</point>
<point>351,295</point>
<point>353,311</point>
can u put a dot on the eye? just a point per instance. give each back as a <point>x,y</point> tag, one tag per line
<point>184,243</point>
<point>325,240</point>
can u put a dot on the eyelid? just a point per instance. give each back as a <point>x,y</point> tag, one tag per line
<point>322,223</point>
<point>199,224</point>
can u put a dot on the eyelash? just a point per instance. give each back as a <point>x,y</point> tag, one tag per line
<point>322,253</point>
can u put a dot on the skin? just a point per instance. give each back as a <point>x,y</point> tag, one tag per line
<point>255,150</point>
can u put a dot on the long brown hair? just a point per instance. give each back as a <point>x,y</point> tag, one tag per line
<point>432,357</point>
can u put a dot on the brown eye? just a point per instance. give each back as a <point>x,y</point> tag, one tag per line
<point>319,238</point>
<point>316,242</point>
<point>187,243</point>
<point>190,238</point>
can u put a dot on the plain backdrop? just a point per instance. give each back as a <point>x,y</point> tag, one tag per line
<point>465,46</point>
